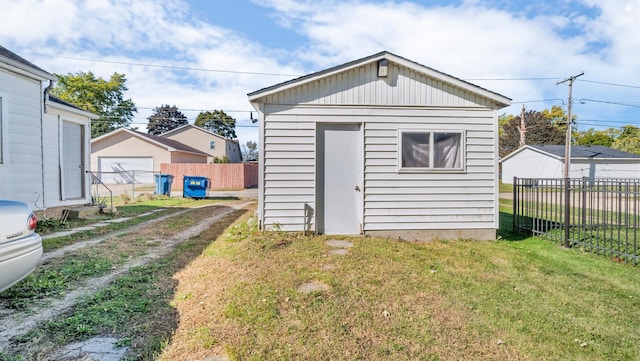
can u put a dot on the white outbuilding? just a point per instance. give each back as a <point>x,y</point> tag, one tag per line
<point>379,146</point>
<point>590,161</point>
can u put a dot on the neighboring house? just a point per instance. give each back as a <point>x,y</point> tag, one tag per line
<point>547,161</point>
<point>206,142</point>
<point>44,142</point>
<point>381,146</point>
<point>127,156</point>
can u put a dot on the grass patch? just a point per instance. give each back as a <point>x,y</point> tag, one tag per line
<point>505,188</point>
<point>135,307</point>
<point>143,204</point>
<point>514,299</point>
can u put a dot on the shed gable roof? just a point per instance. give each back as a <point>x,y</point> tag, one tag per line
<point>408,83</point>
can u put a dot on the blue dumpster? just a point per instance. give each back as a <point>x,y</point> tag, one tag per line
<point>163,184</point>
<point>195,187</point>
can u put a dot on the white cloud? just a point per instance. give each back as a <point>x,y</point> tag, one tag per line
<point>476,39</point>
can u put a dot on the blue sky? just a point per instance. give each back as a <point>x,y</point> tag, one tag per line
<point>205,54</point>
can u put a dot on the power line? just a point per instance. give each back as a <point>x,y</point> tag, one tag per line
<point>165,66</point>
<point>298,75</point>
<point>610,102</point>
<point>612,84</point>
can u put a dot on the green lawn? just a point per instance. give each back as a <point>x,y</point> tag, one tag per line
<point>514,299</point>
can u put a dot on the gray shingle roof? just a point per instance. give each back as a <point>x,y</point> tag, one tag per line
<point>170,143</point>
<point>4,52</point>
<point>585,151</point>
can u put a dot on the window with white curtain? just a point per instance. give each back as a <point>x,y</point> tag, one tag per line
<point>431,150</point>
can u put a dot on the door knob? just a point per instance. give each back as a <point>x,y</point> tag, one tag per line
<point>357,188</point>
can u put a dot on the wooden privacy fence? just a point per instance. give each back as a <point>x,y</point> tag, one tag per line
<point>599,215</point>
<point>222,176</point>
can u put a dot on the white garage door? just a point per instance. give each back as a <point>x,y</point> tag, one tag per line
<point>125,170</point>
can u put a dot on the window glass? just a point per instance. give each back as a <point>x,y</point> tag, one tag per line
<point>431,150</point>
<point>447,150</point>
<point>415,150</point>
<point>212,144</point>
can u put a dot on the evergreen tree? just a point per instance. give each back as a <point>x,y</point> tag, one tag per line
<point>164,119</point>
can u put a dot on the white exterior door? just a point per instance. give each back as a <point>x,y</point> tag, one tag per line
<point>72,160</point>
<point>339,179</point>
<point>125,170</point>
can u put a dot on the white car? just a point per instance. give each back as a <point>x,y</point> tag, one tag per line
<point>20,245</point>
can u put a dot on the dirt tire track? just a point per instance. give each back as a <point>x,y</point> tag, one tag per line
<point>17,323</point>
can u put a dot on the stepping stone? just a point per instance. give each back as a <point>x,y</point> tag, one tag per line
<point>339,252</point>
<point>118,220</point>
<point>85,228</point>
<point>313,287</point>
<point>339,243</point>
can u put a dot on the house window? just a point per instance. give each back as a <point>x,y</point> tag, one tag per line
<point>431,151</point>
<point>212,144</point>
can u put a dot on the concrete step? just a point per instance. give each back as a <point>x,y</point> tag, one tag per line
<point>83,212</point>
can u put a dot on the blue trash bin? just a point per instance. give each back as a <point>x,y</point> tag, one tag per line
<point>163,184</point>
<point>195,187</point>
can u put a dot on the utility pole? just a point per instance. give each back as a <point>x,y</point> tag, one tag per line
<point>523,128</point>
<point>567,163</point>
<point>567,142</point>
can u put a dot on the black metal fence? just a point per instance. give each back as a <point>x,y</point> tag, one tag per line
<point>599,215</point>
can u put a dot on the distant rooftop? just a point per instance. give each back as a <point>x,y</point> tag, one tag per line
<point>585,151</point>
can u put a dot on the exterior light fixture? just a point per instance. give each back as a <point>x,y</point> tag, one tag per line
<point>383,68</point>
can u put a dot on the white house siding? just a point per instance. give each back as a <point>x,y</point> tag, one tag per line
<point>447,204</point>
<point>289,170</point>
<point>606,168</point>
<point>426,201</point>
<point>532,164</point>
<point>393,200</point>
<point>361,86</point>
<point>21,173</point>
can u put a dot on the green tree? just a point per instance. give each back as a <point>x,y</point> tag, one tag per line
<point>101,97</point>
<point>217,122</point>
<point>597,137</point>
<point>628,140</point>
<point>164,119</point>
<point>503,119</point>
<point>540,128</point>
<point>250,151</point>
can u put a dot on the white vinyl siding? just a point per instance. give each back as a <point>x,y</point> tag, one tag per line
<point>411,97</point>
<point>392,199</point>
<point>361,86</point>
<point>21,170</point>
<point>529,163</point>
<point>440,200</point>
<point>289,172</point>
<point>3,129</point>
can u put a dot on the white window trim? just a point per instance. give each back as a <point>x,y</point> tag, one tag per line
<point>463,152</point>
<point>4,130</point>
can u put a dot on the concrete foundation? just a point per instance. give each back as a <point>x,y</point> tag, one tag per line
<point>437,234</point>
